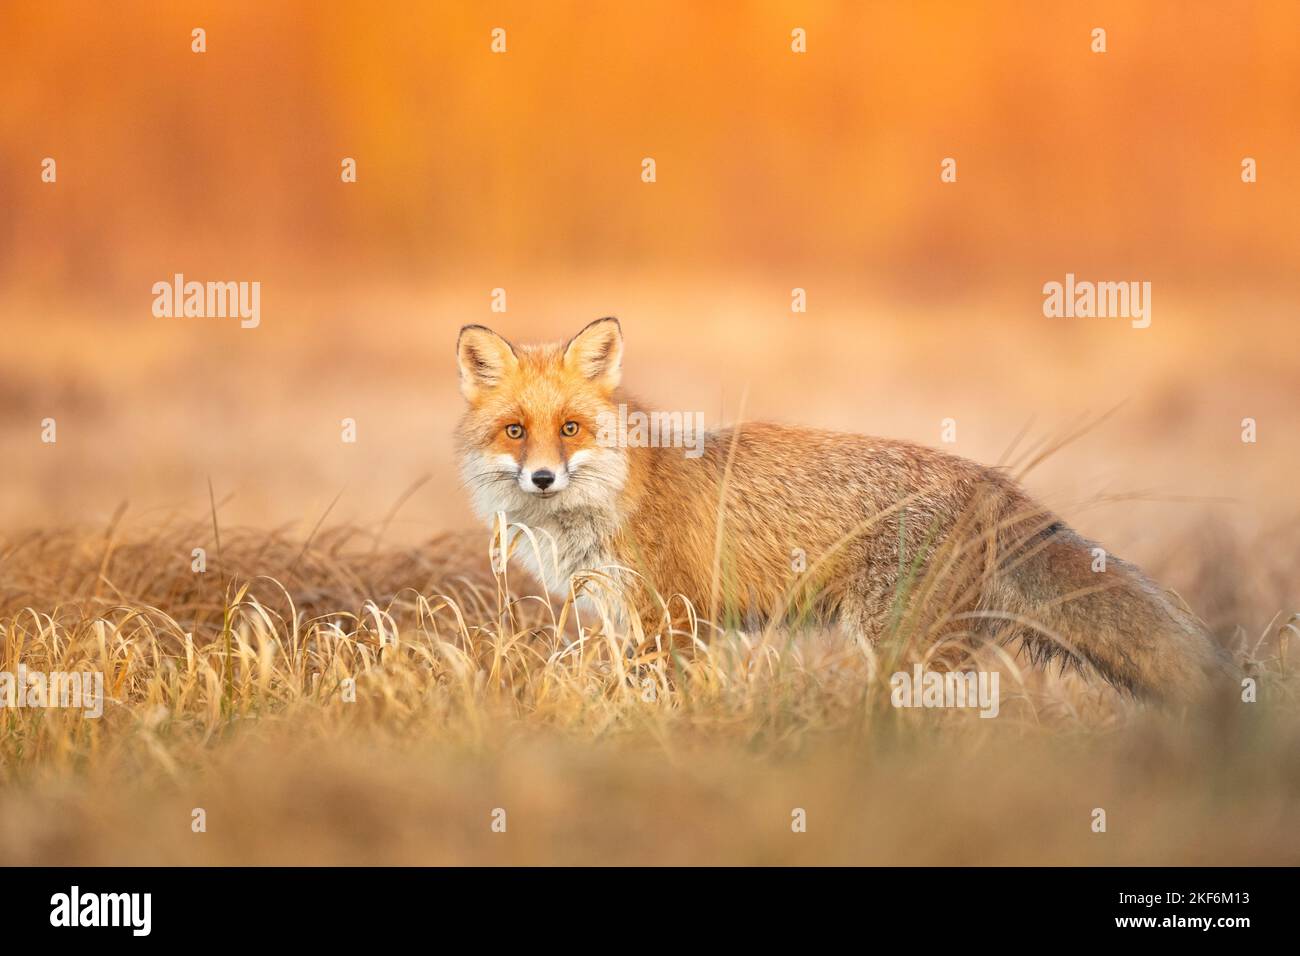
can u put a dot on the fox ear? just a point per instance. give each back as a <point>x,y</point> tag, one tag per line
<point>484,359</point>
<point>597,352</point>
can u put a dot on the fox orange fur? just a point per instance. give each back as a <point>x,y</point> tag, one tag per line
<point>883,533</point>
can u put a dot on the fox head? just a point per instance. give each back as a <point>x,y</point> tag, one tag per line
<point>529,441</point>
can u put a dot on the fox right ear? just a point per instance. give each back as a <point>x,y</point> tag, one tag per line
<point>484,358</point>
<point>597,352</point>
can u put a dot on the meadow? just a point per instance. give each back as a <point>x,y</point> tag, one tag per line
<point>228,687</point>
<point>228,693</point>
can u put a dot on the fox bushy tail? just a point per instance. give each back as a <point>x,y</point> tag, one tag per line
<point>1113,618</point>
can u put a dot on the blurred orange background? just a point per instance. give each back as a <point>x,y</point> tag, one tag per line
<point>478,166</point>
<point>521,171</point>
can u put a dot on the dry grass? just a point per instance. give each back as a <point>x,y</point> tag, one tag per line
<point>226,692</point>
<point>462,712</point>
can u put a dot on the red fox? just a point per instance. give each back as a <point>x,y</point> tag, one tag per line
<point>769,522</point>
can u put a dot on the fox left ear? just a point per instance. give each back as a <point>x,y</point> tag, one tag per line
<point>597,352</point>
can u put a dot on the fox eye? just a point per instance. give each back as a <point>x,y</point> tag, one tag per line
<point>569,429</point>
<point>515,431</point>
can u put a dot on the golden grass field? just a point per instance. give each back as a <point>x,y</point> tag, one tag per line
<point>225,686</point>
<point>329,561</point>
<point>225,694</point>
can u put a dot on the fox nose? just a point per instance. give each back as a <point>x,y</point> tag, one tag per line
<point>543,478</point>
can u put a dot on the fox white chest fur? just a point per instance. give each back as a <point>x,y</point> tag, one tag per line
<point>567,538</point>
